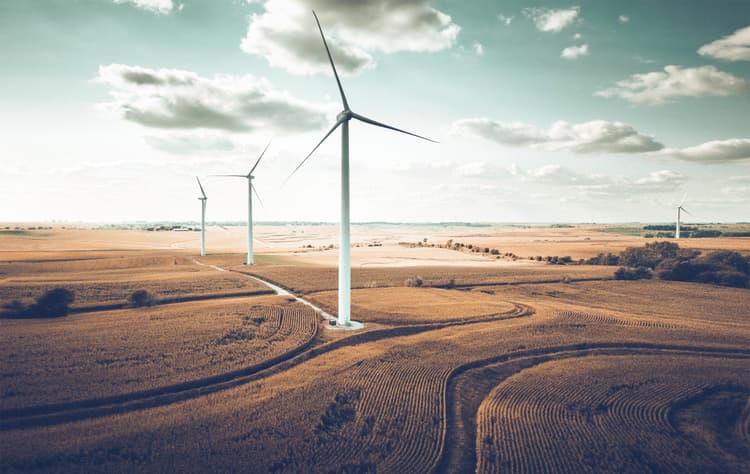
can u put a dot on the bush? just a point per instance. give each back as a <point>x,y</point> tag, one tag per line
<point>639,273</point>
<point>415,282</point>
<point>141,298</point>
<point>53,304</point>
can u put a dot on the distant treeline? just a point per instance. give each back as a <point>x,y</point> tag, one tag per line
<point>667,261</point>
<point>689,232</point>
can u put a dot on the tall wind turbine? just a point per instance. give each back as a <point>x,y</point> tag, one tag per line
<point>343,118</point>
<point>680,209</point>
<point>250,191</point>
<point>203,200</point>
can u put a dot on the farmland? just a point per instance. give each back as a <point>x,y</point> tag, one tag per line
<point>493,365</point>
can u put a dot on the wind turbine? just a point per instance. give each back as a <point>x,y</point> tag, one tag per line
<point>250,191</point>
<point>203,200</point>
<point>343,118</point>
<point>680,209</point>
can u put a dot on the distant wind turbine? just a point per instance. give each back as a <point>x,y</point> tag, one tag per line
<point>680,209</point>
<point>250,190</point>
<point>203,200</point>
<point>343,118</point>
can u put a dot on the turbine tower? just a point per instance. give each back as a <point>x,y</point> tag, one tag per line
<point>250,190</point>
<point>203,200</point>
<point>343,118</point>
<point>680,209</point>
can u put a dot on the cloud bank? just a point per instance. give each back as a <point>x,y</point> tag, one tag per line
<point>285,34</point>
<point>717,151</point>
<point>597,136</point>
<point>177,99</point>
<point>735,47</point>
<point>655,88</point>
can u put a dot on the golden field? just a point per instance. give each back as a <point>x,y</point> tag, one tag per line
<point>492,364</point>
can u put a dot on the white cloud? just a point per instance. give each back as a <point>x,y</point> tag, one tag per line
<point>597,136</point>
<point>478,48</point>
<point>573,52</point>
<point>592,185</point>
<point>552,20</point>
<point>717,151</point>
<point>505,20</point>
<point>174,99</point>
<point>286,34</point>
<point>577,36</point>
<point>623,19</point>
<point>156,6</point>
<point>735,47</point>
<point>659,87</point>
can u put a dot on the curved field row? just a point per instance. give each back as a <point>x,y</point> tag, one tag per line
<point>607,412</point>
<point>578,316</point>
<point>122,353</point>
<point>417,305</point>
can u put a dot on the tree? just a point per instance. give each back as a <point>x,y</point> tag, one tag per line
<point>141,298</point>
<point>52,304</point>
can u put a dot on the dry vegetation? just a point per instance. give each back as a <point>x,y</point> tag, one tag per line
<point>91,356</point>
<point>519,368</point>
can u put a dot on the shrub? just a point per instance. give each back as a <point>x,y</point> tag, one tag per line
<point>415,282</point>
<point>639,273</point>
<point>141,298</point>
<point>53,304</point>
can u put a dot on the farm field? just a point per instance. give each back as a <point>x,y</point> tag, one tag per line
<point>493,365</point>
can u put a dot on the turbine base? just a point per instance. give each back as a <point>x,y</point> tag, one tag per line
<point>352,326</point>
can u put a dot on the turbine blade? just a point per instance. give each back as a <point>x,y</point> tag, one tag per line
<point>260,157</point>
<point>330,58</point>
<point>686,211</point>
<point>378,124</point>
<point>257,196</point>
<point>684,196</point>
<point>230,175</point>
<point>201,186</point>
<point>338,122</point>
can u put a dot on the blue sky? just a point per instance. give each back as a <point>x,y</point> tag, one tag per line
<point>545,111</point>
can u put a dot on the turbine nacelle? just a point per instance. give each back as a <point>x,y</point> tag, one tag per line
<point>344,115</point>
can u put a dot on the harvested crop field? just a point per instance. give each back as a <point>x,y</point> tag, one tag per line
<point>91,356</point>
<point>522,368</point>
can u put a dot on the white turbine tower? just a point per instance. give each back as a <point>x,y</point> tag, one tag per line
<point>203,200</point>
<point>250,191</point>
<point>680,209</point>
<point>343,118</point>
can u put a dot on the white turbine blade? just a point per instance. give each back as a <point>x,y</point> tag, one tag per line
<point>257,196</point>
<point>378,124</point>
<point>259,158</point>
<point>330,58</point>
<point>686,211</point>
<point>201,186</point>
<point>684,196</point>
<point>338,122</point>
<point>230,175</point>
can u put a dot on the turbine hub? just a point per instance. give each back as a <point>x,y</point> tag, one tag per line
<point>344,115</point>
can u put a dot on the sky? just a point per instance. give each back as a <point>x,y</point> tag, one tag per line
<point>549,111</point>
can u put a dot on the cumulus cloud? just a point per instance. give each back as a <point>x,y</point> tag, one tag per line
<point>156,6</point>
<point>505,20</point>
<point>735,47</point>
<point>573,52</point>
<point>478,48</point>
<point>550,20</point>
<point>659,87</point>
<point>286,35</point>
<point>602,185</point>
<point>717,151</point>
<point>174,99</point>
<point>623,19</point>
<point>596,136</point>
<point>191,143</point>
